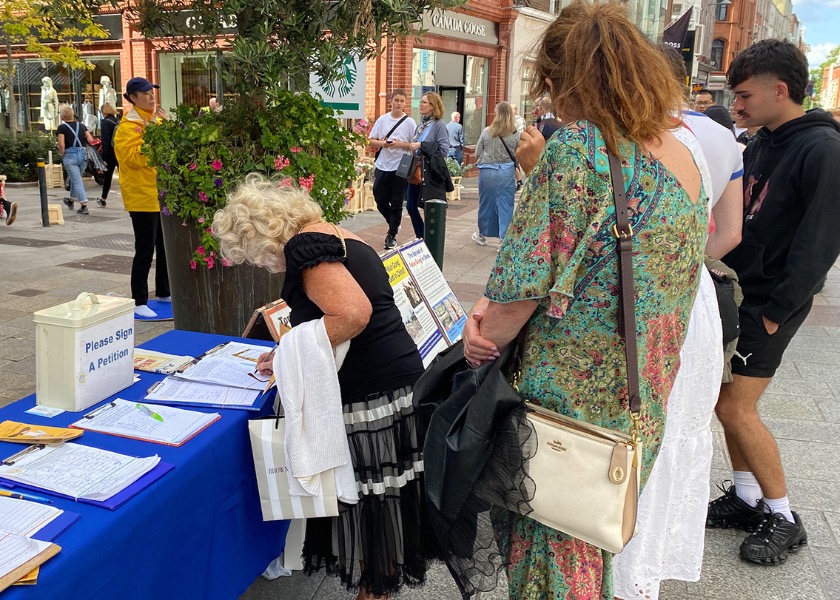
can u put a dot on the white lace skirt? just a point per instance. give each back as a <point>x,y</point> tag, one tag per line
<point>672,508</point>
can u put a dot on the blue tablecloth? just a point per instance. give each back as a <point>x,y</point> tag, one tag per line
<point>195,533</point>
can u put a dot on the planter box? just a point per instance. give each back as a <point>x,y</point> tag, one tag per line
<point>455,196</point>
<point>55,176</point>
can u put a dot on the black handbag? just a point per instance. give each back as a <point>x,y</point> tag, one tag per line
<point>727,304</point>
<point>407,166</point>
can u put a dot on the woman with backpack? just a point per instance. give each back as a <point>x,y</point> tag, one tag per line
<point>108,125</point>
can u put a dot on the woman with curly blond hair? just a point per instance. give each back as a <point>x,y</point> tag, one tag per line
<point>557,272</point>
<point>332,274</point>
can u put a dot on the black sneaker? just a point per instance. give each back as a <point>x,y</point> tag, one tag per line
<point>774,539</point>
<point>83,210</point>
<point>11,213</point>
<point>729,511</point>
<point>102,202</point>
<point>390,242</point>
<point>69,203</point>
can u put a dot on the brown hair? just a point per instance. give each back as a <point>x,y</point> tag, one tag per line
<point>437,105</point>
<point>397,92</point>
<point>603,69</point>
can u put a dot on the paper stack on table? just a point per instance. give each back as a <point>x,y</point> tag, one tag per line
<point>25,433</point>
<point>158,362</point>
<point>162,424</point>
<point>19,555</point>
<point>223,377</point>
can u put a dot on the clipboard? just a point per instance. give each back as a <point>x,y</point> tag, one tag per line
<point>23,570</point>
<point>112,503</point>
<point>257,405</point>
<point>56,527</point>
<point>95,413</point>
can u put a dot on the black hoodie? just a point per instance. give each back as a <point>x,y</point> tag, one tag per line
<point>791,234</point>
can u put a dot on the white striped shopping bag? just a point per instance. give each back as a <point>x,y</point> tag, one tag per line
<point>267,443</point>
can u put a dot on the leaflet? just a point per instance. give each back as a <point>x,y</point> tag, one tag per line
<point>77,471</point>
<point>224,371</point>
<point>160,424</point>
<point>158,362</point>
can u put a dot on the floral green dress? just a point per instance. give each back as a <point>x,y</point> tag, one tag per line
<point>560,252</point>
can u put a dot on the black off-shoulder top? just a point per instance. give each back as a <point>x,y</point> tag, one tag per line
<point>383,356</point>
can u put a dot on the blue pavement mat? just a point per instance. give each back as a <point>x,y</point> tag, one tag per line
<point>163,310</point>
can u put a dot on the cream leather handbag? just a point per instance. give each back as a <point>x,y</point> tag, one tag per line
<point>587,477</point>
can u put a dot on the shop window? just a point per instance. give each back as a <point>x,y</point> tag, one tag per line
<point>716,56</point>
<point>526,104</point>
<point>423,66</point>
<point>475,98</point>
<point>190,79</point>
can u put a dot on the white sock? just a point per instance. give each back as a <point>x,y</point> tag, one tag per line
<point>144,311</point>
<point>746,487</point>
<point>781,506</point>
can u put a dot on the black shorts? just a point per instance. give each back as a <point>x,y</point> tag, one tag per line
<point>759,354</point>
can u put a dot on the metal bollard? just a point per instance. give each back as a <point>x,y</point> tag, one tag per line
<point>42,187</point>
<point>434,233</point>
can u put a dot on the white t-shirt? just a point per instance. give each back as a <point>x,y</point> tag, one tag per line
<point>389,158</point>
<point>720,149</point>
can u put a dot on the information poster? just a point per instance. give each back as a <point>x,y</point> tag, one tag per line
<point>432,285</point>
<point>416,315</point>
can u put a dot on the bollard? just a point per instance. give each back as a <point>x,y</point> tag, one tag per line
<point>435,229</point>
<point>42,187</point>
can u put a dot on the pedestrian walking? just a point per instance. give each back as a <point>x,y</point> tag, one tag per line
<point>790,243</point>
<point>496,175</point>
<point>557,270</point>
<point>456,138</point>
<point>703,100</point>
<point>431,144</point>
<point>72,137</point>
<point>391,135</point>
<point>520,120</point>
<point>108,125</point>
<point>8,210</point>
<point>547,123</point>
<point>138,184</point>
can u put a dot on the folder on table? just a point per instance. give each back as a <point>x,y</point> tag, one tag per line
<point>56,527</point>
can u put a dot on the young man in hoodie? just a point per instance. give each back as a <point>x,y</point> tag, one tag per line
<point>138,184</point>
<point>790,241</point>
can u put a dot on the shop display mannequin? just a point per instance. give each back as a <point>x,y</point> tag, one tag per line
<point>106,94</point>
<point>89,117</point>
<point>49,105</point>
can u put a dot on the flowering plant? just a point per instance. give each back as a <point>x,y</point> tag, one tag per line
<point>363,127</point>
<point>455,169</point>
<point>201,156</point>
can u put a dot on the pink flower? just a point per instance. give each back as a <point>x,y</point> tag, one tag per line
<point>201,219</point>
<point>281,162</point>
<point>295,149</point>
<point>217,164</point>
<point>212,254</point>
<point>306,182</point>
<point>287,182</point>
<point>210,263</point>
<point>226,263</point>
<point>200,250</point>
<point>192,167</point>
<point>193,265</point>
<point>202,196</point>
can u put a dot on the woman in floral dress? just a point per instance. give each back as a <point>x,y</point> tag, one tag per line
<point>558,269</point>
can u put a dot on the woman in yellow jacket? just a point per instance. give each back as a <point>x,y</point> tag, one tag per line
<point>140,196</point>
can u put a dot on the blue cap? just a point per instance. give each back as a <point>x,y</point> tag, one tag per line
<point>139,84</point>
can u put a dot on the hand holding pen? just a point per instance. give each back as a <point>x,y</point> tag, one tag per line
<point>265,363</point>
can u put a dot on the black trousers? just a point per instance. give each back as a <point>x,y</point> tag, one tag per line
<point>111,161</point>
<point>389,193</point>
<point>148,238</point>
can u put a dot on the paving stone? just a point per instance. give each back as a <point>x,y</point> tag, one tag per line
<point>833,520</point>
<point>827,561</point>
<point>803,430</point>
<point>791,407</point>
<point>818,528</point>
<point>808,387</point>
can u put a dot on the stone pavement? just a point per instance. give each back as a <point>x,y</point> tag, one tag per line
<point>40,267</point>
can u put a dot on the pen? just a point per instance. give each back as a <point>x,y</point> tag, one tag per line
<point>22,496</point>
<point>145,409</point>
<point>277,345</point>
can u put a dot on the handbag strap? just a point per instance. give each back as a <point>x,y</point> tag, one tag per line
<point>511,154</point>
<point>623,232</point>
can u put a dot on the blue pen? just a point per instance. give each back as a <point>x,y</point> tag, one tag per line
<point>22,496</point>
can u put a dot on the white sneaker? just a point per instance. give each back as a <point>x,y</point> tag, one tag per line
<point>479,239</point>
<point>144,311</point>
<point>167,299</point>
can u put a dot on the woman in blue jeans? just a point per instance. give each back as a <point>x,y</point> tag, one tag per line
<point>430,137</point>
<point>495,154</point>
<point>72,136</point>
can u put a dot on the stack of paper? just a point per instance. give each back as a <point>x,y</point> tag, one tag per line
<point>19,555</point>
<point>25,518</point>
<point>158,362</point>
<point>223,377</point>
<point>76,471</point>
<point>159,424</point>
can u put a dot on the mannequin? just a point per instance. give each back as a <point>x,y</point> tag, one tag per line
<point>49,105</point>
<point>89,117</point>
<point>106,94</point>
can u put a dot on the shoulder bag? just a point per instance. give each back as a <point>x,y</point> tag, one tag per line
<point>587,477</point>
<point>518,172</point>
